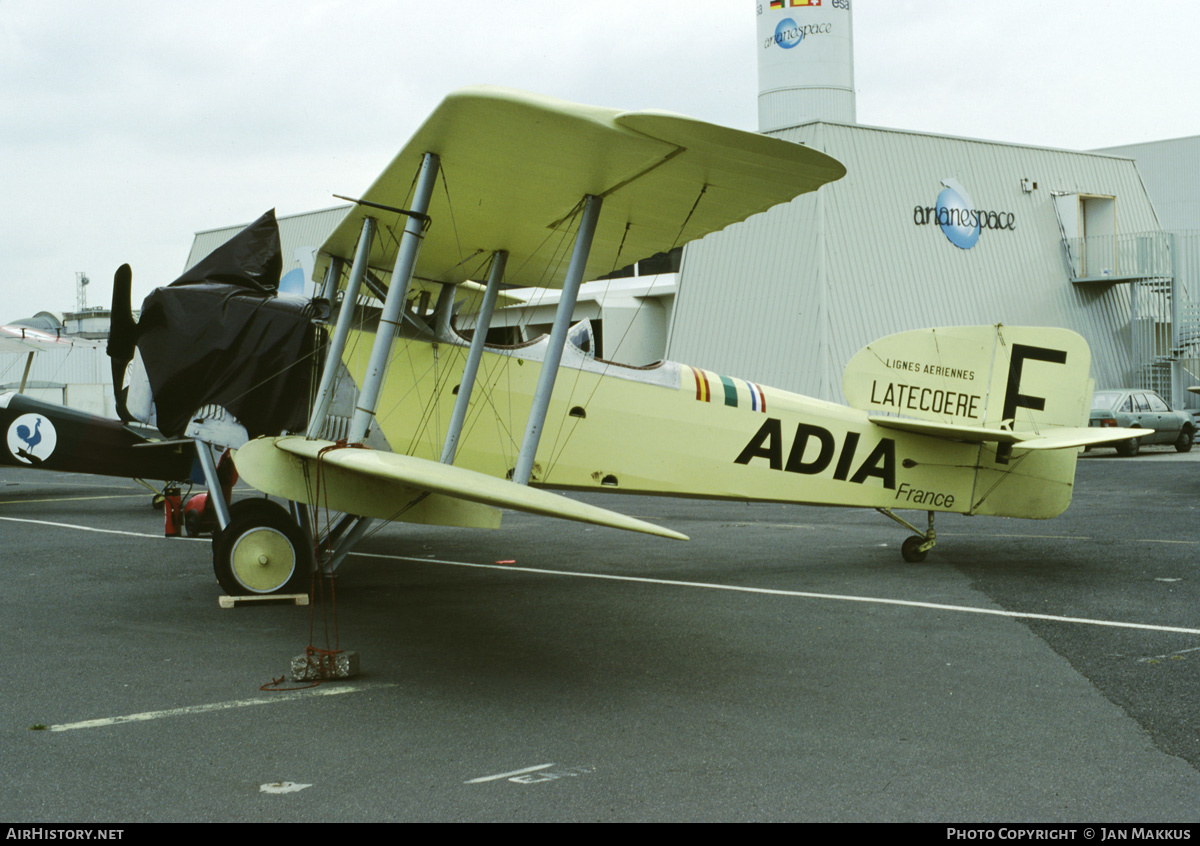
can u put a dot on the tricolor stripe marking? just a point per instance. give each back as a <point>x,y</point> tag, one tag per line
<point>730,391</point>
<point>702,390</point>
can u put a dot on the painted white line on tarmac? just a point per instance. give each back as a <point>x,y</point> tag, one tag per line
<point>217,706</point>
<point>70,498</point>
<point>964,609</point>
<point>933,606</point>
<point>509,775</point>
<point>1011,535</point>
<point>100,531</point>
<point>1154,659</point>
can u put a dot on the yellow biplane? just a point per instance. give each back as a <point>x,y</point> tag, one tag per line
<point>523,190</point>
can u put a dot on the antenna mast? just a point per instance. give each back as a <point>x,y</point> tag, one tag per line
<point>81,283</point>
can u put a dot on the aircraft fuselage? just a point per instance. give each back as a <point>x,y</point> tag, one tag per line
<point>671,429</point>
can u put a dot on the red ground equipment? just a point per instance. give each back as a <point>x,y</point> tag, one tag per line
<point>171,511</point>
<point>199,516</point>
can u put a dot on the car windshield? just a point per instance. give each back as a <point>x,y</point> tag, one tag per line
<point>1106,400</point>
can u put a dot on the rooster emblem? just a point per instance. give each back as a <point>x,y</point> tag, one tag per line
<point>31,438</point>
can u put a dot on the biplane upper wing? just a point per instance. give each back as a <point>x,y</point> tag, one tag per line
<point>392,486</point>
<point>28,341</point>
<point>515,166</point>
<point>22,339</point>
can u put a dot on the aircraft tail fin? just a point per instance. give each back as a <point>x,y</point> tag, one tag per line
<point>1022,394</point>
<point>1019,378</point>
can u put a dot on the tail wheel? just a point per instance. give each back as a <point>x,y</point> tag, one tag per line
<point>911,550</point>
<point>261,551</point>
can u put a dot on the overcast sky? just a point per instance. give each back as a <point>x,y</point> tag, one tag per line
<point>127,126</point>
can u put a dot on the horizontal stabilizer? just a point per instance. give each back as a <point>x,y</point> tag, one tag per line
<point>373,483</point>
<point>1063,437</point>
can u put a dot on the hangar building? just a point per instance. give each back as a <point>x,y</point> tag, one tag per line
<point>1171,171</point>
<point>928,230</point>
<point>924,230</point>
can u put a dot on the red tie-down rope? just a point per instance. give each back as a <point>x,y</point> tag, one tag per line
<point>320,663</point>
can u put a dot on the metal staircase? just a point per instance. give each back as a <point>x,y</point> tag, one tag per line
<point>1163,271</point>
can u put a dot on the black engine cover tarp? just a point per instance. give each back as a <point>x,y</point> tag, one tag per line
<point>219,334</point>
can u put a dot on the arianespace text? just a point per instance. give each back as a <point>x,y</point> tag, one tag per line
<point>970,218</point>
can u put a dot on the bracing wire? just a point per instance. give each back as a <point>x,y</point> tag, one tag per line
<point>439,373</point>
<point>606,363</point>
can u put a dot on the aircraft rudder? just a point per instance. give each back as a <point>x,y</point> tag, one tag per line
<point>1019,377</point>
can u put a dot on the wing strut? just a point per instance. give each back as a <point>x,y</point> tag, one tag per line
<point>25,375</point>
<point>333,275</point>
<point>337,344</point>
<point>482,322</point>
<point>393,308</point>
<point>215,494</point>
<point>393,305</point>
<point>558,339</point>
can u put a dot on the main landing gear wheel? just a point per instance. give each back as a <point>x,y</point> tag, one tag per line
<point>911,550</point>
<point>261,551</point>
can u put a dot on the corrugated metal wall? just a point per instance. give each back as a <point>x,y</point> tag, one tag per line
<point>1171,171</point>
<point>83,362</point>
<point>747,292</point>
<point>787,297</point>
<point>1186,318</point>
<point>79,376</point>
<point>309,229</point>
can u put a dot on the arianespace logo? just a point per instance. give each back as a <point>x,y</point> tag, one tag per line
<point>789,34</point>
<point>959,220</point>
<point>953,212</point>
<point>31,438</point>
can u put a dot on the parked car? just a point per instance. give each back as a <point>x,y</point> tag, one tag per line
<point>1135,408</point>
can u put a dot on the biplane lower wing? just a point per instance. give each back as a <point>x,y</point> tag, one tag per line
<point>392,486</point>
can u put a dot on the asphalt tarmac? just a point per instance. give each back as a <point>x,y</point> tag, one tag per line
<point>784,665</point>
